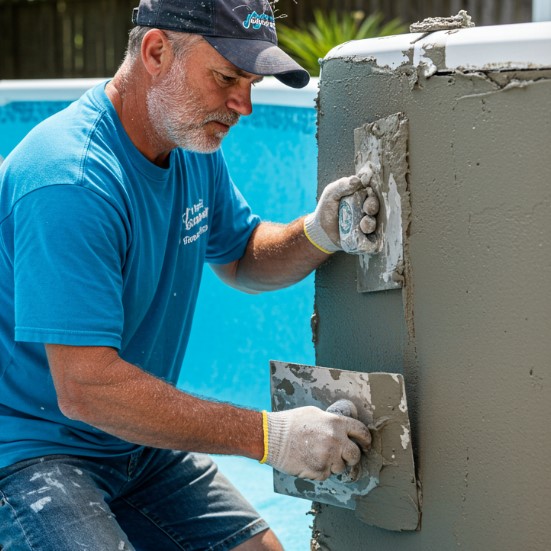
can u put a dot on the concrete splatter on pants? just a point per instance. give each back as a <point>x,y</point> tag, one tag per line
<point>150,500</point>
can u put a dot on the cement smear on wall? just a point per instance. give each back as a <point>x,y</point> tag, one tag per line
<point>470,328</point>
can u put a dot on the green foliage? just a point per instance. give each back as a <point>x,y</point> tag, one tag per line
<point>310,42</point>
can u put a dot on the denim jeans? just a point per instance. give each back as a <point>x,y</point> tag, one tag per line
<point>155,500</point>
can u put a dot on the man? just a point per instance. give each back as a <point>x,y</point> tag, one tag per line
<point>108,211</point>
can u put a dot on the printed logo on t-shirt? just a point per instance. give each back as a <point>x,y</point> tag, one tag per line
<point>194,221</point>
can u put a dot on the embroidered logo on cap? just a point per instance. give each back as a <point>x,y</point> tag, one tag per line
<point>259,20</point>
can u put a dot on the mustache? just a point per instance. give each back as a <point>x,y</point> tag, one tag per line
<point>230,119</point>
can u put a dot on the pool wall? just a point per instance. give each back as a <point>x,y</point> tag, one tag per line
<point>470,328</point>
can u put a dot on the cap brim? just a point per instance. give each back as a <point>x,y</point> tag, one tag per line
<point>261,58</point>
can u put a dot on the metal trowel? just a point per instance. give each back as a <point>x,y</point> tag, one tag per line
<point>373,222</point>
<point>386,492</point>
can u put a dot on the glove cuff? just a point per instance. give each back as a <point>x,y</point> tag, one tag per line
<point>317,236</point>
<point>277,435</point>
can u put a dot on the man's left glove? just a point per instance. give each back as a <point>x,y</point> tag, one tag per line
<point>322,226</point>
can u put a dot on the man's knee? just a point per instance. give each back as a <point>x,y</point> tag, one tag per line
<point>265,541</point>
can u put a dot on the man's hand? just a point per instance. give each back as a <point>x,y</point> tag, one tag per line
<point>310,443</point>
<point>346,408</point>
<point>322,226</point>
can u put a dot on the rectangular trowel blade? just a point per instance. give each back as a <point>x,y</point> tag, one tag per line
<point>386,494</point>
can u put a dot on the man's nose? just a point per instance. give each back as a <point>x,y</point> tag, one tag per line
<point>240,99</point>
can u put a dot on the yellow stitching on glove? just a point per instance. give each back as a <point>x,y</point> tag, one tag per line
<point>313,242</point>
<point>265,429</point>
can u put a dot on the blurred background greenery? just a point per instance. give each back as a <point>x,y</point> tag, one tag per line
<point>308,42</point>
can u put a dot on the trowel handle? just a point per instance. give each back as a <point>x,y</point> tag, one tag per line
<point>343,407</point>
<point>357,222</point>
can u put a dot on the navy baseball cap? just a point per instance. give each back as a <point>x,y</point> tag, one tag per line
<point>243,31</point>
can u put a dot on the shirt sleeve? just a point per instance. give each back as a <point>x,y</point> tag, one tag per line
<point>232,221</point>
<point>69,249</point>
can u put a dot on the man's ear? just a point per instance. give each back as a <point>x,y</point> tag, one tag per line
<point>156,52</point>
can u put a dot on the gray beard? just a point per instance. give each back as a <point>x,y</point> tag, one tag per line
<point>170,104</point>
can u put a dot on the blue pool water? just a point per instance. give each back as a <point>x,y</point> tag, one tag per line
<point>272,157</point>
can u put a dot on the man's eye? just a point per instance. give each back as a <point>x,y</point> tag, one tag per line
<point>226,79</point>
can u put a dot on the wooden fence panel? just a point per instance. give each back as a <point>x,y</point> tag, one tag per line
<point>87,38</point>
<point>56,38</point>
<point>483,12</point>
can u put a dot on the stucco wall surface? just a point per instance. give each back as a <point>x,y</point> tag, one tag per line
<point>470,330</point>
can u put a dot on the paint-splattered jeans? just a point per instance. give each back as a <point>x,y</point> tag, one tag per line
<point>153,500</point>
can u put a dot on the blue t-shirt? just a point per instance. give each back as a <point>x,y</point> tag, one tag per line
<point>100,247</point>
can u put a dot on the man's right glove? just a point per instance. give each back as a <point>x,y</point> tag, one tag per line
<point>310,443</point>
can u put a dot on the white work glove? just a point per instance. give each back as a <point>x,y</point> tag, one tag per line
<point>310,443</point>
<point>346,408</point>
<point>322,226</point>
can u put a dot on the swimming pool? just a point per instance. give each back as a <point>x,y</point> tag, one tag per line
<point>272,156</point>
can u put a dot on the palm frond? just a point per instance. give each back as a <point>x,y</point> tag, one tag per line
<point>308,43</point>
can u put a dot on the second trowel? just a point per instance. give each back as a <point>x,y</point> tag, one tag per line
<point>386,493</point>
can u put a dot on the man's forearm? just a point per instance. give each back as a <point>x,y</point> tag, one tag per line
<point>95,386</point>
<point>125,401</point>
<point>277,255</point>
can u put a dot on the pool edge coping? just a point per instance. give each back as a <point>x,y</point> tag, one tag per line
<point>268,92</point>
